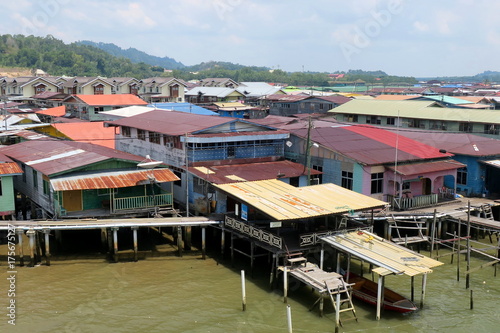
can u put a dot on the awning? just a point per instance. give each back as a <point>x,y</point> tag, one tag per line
<point>426,167</point>
<point>282,201</point>
<point>115,179</point>
<point>493,163</point>
<point>388,256</point>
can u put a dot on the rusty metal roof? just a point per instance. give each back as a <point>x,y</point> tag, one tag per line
<point>388,256</point>
<point>52,157</point>
<point>8,166</point>
<point>426,167</point>
<point>228,173</point>
<point>114,179</point>
<point>282,201</point>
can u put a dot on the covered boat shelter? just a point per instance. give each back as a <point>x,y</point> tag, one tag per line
<point>389,258</point>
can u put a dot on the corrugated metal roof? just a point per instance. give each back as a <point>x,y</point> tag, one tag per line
<point>58,111</point>
<point>426,167</point>
<point>493,163</point>
<point>114,99</point>
<point>92,132</point>
<point>388,256</point>
<point>114,179</point>
<point>51,157</point>
<point>416,110</point>
<point>223,174</point>
<point>8,166</point>
<point>282,201</point>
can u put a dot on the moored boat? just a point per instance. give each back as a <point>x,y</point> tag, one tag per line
<point>366,291</point>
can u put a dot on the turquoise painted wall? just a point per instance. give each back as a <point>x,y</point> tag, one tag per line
<point>7,200</point>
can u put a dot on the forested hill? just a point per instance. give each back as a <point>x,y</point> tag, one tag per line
<point>57,58</point>
<point>135,55</point>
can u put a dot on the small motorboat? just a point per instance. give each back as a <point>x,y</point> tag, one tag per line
<point>366,291</point>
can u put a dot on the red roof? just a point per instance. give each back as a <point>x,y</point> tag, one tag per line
<point>92,132</point>
<point>114,99</point>
<point>58,111</point>
<point>232,173</point>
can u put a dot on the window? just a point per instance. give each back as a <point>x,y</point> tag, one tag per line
<point>1,186</point>
<point>200,186</point>
<point>99,89</point>
<point>491,129</point>
<point>179,175</point>
<point>462,176</point>
<point>46,189</point>
<point>352,118</point>
<point>154,137</point>
<point>406,186</point>
<point>318,177</point>
<point>373,120</point>
<point>126,131</point>
<point>391,121</point>
<point>465,127</point>
<point>141,134</point>
<point>437,125</point>
<point>347,180</point>
<point>98,109</point>
<point>377,182</point>
<point>415,123</point>
<point>35,179</point>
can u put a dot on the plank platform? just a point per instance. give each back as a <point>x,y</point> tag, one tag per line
<point>317,278</point>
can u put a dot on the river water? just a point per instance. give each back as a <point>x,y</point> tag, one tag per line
<point>167,293</point>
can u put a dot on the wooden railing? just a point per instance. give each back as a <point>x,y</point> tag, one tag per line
<point>414,202</point>
<point>142,202</point>
<point>254,232</point>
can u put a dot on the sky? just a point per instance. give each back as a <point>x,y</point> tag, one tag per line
<point>424,38</point>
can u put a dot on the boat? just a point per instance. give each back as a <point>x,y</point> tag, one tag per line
<point>366,291</point>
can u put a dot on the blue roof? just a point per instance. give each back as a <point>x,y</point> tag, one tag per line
<point>184,107</point>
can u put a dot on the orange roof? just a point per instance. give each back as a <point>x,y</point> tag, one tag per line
<point>10,168</point>
<point>396,97</point>
<point>115,99</point>
<point>58,111</point>
<point>92,132</point>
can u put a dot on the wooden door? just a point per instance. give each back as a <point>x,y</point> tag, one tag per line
<point>72,200</point>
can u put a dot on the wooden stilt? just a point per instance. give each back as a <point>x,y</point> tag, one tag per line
<point>243,291</point>
<point>321,256</point>
<point>31,236</point>
<point>252,249</point>
<point>187,238</point>
<point>203,244</point>
<point>412,288</point>
<point>338,262</point>
<point>20,234</point>
<point>232,248</point>
<point>271,277</point>
<point>285,285</point>
<point>337,312</point>
<point>380,296</point>
<point>136,247</point>
<point>47,247</point>
<point>179,240</point>
<point>115,244</point>
<point>424,283</point>
<point>321,305</point>
<point>467,276</point>
<point>222,241</point>
<point>433,233</point>
<point>104,240</point>
<point>458,250</point>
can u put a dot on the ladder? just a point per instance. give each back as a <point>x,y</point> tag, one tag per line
<point>414,225</point>
<point>343,290</point>
<point>487,213</point>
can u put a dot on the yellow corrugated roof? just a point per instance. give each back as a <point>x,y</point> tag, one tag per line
<point>282,201</point>
<point>388,256</point>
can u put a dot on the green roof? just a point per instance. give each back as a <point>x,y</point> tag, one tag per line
<point>416,110</point>
<point>448,99</point>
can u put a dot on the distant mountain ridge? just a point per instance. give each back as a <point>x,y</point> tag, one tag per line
<point>135,55</point>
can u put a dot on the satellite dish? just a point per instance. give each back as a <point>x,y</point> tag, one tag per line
<point>149,165</point>
<point>289,144</point>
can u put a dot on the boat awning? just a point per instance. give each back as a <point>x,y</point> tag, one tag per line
<point>388,256</point>
<point>283,201</point>
<point>114,179</point>
<point>426,167</point>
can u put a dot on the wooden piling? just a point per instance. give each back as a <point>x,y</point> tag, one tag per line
<point>31,236</point>
<point>380,296</point>
<point>203,243</point>
<point>187,238</point>
<point>232,248</point>
<point>179,240</point>
<point>412,278</point>
<point>222,240</point>
<point>337,312</point>
<point>115,244</point>
<point>433,233</point>
<point>458,249</point>
<point>20,234</point>
<point>243,291</point>
<point>252,249</point>
<point>424,283</point>
<point>104,240</point>
<point>136,247</point>
<point>47,246</point>
<point>321,256</point>
<point>289,318</point>
<point>471,300</point>
<point>285,285</point>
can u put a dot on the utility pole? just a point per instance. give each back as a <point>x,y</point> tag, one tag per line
<point>308,152</point>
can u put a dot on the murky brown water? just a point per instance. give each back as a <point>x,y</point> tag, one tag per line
<point>186,294</point>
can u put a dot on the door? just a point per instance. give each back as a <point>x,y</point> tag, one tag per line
<point>426,186</point>
<point>72,200</point>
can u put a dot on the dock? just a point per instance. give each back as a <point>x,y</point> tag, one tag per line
<point>109,232</point>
